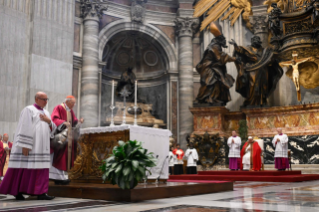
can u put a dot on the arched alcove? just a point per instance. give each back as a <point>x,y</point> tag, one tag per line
<point>134,49</point>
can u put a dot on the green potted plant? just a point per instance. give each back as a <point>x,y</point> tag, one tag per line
<point>127,165</point>
<point>243,131</point>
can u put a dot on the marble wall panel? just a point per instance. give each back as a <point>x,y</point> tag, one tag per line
<point>196,54</point>
<point>161,8</point>
<point>106,19</point>
<point>77,9</point>
<point>196,89</point>
<point>77,38</point>
<point>304,149</point>
<point>168,30</point>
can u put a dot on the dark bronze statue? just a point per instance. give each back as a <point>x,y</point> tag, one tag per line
<point>274,22</point>
<point>258,72</point>
<point>214,80</point>
<point>208,147</point>
<point>127,81</point>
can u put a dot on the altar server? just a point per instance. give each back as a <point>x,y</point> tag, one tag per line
<point>29,162</point>
<point>192,158</point>
<point>234,143</point>
<point>280,143</point>
<point>172,160</point>
<point>178,166</point>
<point>64,117</point>
<point>5,148</point>
<point>250,155</point>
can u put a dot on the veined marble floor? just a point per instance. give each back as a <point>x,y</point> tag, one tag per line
<point>247,196</point>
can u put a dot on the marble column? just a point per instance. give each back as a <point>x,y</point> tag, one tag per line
<point>260,24</point>
<point>89,103</point>
<point>185,28</point>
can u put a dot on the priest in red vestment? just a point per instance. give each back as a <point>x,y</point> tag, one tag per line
<point>5,148</point>
<point>251,155</point>
<point>59,157</point>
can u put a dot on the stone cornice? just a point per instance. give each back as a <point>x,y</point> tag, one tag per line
<point>151,17</point>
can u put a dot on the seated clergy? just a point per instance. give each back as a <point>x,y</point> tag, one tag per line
<point>192,158</point>
<point>250,155</point>
<point>178,167</point>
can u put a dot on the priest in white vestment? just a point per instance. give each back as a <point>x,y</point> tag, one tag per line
<point>192,158</point>
<point>280,143</point>
<point>29,162</point>
<point>234,143</point>
<point>172,160</point>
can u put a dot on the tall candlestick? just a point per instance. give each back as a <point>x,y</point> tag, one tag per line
<point>112,106</point>
<point>112,93</point>
<point>135,102</point>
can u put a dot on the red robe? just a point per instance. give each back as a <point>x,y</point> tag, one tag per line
<point>180,155</point>
<point>255,153</point>
<point>59,116</point>
<point>3,156</point>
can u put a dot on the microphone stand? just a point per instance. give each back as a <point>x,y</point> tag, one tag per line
<point>145,179</point>
<point>161,170</point>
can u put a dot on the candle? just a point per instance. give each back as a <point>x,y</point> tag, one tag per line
<point>135,92</point>
<point>112,93</point>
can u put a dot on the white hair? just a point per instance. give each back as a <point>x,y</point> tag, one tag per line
<point>68,99</point>
<point>250,137</point>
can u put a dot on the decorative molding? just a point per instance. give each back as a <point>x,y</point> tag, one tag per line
<point>151,17</point>
<point>259,24</point>
<point>138,11</point>
<point>186,26</point>
<point>93,8</point>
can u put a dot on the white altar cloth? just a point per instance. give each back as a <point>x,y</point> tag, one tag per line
<point>153,139</point>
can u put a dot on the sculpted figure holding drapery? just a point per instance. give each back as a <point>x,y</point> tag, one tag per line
<point>214,80</point>
<point>258,72</point>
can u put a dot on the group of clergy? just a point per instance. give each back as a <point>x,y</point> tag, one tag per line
<point>32,160</point>
<point>249,157</point>
<point>176,156</point>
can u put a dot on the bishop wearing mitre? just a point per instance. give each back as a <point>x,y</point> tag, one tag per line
<point>250,155</point>
<point>280,143</point>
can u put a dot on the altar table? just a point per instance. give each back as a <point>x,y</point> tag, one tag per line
<point>96,144</point>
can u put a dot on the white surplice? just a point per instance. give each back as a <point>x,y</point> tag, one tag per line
<point>191,155</point>
<point>246,158</point>
<point>281,150</point>
<point>34,134</point>
<point>172,159</point>
<point>234,148</point>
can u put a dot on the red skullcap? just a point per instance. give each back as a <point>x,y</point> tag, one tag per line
<point>70,97</point>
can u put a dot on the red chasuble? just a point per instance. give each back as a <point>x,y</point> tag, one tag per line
<point>3,156</point>
<point>59,116</point>
<point>255,156</point>
<point>179,153</point>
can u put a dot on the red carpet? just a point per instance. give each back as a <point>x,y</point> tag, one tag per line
<point>262,176</point>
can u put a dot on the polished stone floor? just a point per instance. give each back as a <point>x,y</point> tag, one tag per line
<point>247,196</point>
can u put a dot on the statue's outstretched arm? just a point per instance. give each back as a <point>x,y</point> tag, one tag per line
<point>287,63</point>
